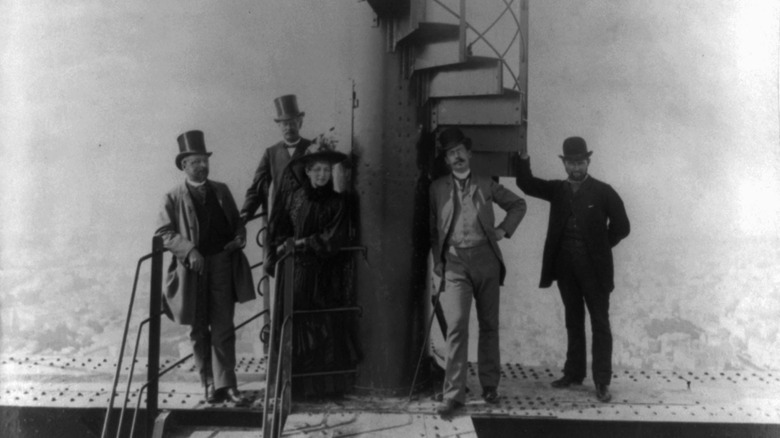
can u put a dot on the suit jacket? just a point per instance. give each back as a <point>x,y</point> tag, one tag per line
<point>177,223</point>
<point>599,213</point>
<point>270,170</point>
<point>484,192</point>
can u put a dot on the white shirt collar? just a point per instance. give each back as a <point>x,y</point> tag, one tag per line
<point>195,184</point>
<point>289,145</point>
<point>462,175</point>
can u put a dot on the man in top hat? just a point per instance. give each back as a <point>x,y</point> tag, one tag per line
<point>464,241</point>
<point>275,158</point>
<point>200,226</point>
<point>587,219</point>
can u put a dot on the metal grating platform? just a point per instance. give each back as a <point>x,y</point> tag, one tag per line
<point>735,397</point>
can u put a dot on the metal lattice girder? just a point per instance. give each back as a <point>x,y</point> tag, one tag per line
<point>476,77</point>
<point>493,110</point>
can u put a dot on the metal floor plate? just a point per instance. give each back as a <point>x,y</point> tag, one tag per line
<point>638,395</point>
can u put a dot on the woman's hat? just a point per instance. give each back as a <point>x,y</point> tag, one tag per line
<point>575,149</point>
<point>287,108</point>
<point>320,151</point>
<point>191,143</point>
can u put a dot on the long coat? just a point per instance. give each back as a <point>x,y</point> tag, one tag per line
<point>599,213</point>
<point>177,224</point>
<point>484,192</point>
<point>270,170</point>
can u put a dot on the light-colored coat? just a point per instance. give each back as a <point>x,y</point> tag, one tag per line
<point>484,192</point>
<point>177,224</point>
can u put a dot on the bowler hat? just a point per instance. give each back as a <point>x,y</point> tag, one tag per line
<point>191,143</point>
<point>287,108</point>
<point>452,137</point>
<point>575,148</point>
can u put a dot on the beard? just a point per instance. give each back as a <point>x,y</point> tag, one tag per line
<point>577,176</point>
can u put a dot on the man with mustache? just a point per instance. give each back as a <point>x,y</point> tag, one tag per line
<point>200,226</point>
<point>587,219</point>
<point>268,175</point>
<point>464,242</point>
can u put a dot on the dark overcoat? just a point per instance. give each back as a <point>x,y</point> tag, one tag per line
<point>269,175</point>
<point>484,193</point>
<point>599,213</point>
<point>177,224</point>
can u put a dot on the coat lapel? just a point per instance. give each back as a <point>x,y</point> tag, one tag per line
<point>448,207</point>
<point>190,217</point>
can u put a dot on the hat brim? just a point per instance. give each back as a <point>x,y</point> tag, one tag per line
<point>453,144</point>
<point>184,155</point>
<point>289,116</point>
<point>331,157</point>
<point>576,157</point>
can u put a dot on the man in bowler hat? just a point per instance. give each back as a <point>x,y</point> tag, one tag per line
<point>208,274</point>
<point>268,175</point>
<point>587,219</point>
<point>464,242</point>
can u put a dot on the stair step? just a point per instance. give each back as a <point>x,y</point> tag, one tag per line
<point>434,45</point>
<point>481,110</point>
<point>427,32</point>
<point>475,77</point>
<point>493,163</point>
<point>502,138</point>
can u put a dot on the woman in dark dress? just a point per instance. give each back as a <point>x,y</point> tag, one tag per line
<point>315,217</point>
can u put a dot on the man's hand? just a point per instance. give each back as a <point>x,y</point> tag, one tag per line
<point>195,261</point>
<point>236,243</point>
<point>500,233</point>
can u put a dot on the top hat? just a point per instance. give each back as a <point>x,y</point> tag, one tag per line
<point>575,148</point>
<point>191,143</point>
<point>452,137</point>
<point>287,108</point>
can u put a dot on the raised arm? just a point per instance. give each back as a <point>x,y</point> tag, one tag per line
<point>528,183</point>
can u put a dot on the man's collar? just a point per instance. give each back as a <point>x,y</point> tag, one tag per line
<point>195,184</point>
<point>293,144</point>
<point>571,181</point>
<point>461,176</point>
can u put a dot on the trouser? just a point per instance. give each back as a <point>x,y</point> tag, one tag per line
<point>580,287</point>
<point>471,273</point>
<point>212,334</point>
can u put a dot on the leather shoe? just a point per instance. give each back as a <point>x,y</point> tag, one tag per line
<point>448,407</point>
<point>490,395</point>
<point>229,394</point>
<point>602,393</point>
<point>565,382</point>
<point>233,395</point>
<point>211,394</point>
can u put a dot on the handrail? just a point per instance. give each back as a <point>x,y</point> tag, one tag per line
<point>130,375</point>
<point>123,343</point>
<point>481,36</point>
<point>154,321</point>
<point>279,395</point>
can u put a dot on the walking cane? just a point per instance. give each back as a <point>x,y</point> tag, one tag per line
<point>437,310</point>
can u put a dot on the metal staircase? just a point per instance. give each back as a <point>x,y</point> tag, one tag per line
<point>469,60</point>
